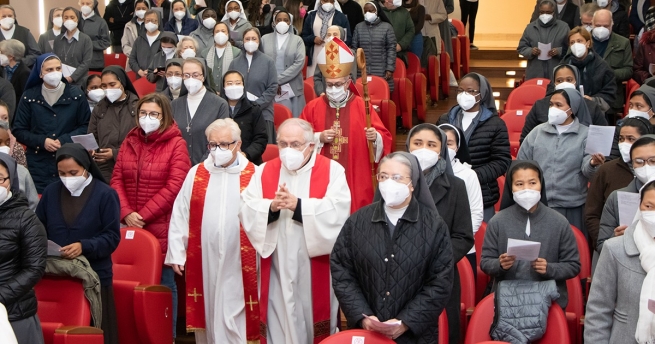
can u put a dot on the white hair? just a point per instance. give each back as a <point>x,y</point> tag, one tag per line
<point>396,156</point>
<point>308,131</point>
<point>606,11</point>
<point>224,123</point>
<point>179,51</point>
<point>13,47</point>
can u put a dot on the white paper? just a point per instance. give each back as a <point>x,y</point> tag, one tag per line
<point>88,141</point>
<point>651,68</point>
<point>523,249</point>
<point>201,3</point>
<point>520,112</point>
<point>599,139</point>
<point>581,90</point>
<point>357,340</point>
<point>383,327</point>
<point>53,249</point>
<point>544,48</point>
<point>628,206</point>
<point>285,93</point>
<point>67,70</point>
<point>251,96</point>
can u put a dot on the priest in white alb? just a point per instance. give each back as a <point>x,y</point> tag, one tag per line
<point>293,211</point>
<point>208,245</point>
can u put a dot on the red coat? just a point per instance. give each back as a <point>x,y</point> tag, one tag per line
<point>644,56</point>
<point>148,175</point>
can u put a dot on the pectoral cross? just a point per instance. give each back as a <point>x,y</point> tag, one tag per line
<point>251,303</point>
<point>339,139</point>
<point>188,128</point>
<point>195,295</point>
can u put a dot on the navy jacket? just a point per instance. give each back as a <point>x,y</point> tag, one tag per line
<point>188,26</point>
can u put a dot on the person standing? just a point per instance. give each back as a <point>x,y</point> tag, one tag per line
<point>219,56</point>
<point>469,10</point>
<point>147,44</point>
<point>55,23</point>
<point>314,30</point>
<point>292,212</point>
<point>134,28</point>
<point>235,18</point>
<point>353,12</point>
<point>403,26</point>
<point>10,29</point>
<point>417,12</point>
<point>74,48</point>
<point>181,23</point>
<point>117,14</point>
<point>204,34</point>
<point>96,28</point>
<point>436,16</point>
<point>567,11</point>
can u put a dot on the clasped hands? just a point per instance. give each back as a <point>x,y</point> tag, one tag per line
<point>392,332</point>
<point>284,200</point>
<point>539,265</point>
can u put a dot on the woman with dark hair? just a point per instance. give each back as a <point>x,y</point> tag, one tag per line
<point>181,23</point>
<point>23,256</point>
<point>80,213</point>
<point>117,14</point>
<point>92,24</point>
<point>524,215</point>
<point>375,35</point>
<point>236,20</point>
<point>155,74</point>
<point>485,135</point>
<point>259,13</point>
<point>25,182</point>
<point>147,45</point>
<point>220,55</point>
<point>417,12</point>
<point>94,93</point>
<point>371,289</point>
<point>559,146</point>
<point>154,151</point>
<point>613,175</point>
<point>113,117</point>
<point>55,23</point>
<point>134,27</point>
<point>204,34</point>
<point>74,47</point>
<point>294,7</point>
<point>173,79</point>
<point>429,145</point>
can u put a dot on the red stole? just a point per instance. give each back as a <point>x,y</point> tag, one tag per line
<point>195,310</point>
<point>320,178</point>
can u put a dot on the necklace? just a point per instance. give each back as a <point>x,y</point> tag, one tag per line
<point>189,119</point>
<point>122,12</point>
<point>71,45</point>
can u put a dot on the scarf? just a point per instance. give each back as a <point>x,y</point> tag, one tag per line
<point>228,56</point>
<point>646,322</point>
<point>325,17</point>
<point>436,171</point>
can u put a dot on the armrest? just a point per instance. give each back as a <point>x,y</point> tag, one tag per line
<point>78,330</point>
<point>78,335</point>
<point>153,313</point>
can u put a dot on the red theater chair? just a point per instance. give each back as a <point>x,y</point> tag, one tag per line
<point>456,59</point>
<point>443,328</point>
<point>482,279</point>
<point>444,69</point>
<point>432,75</point>
<point>143,307</point>
<point>403,94</point>
<point>309,92</point>
<point>143,87</point>
<point>514,120</point>
<point>575,310</point>
<point>585,259</point>
<point>524,96</point>
<point>467,297</point>
<point>281,113</point>
<point>352,336</point>
<point>420,82</point>
<point>132,76</point>
<point>465,45</point>
<point>378,90</point>
<point>271,152</point>
<point>116,60</point>
<point>64,312</point>
<point>542,82</point>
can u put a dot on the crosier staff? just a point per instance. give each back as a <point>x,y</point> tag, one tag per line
<point>361,63</point>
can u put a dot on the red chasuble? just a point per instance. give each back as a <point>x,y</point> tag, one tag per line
<point>319,181</point>
<point>195,310</point>
<point>350,147</point>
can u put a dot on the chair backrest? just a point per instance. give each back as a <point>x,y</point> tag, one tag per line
<point>478,330</point>
<point>515,121</point>
<point>401,69</point>
<point>132,76</point>
<point>61,300</point>
<point>501,188</point>
<point>378,88</point>
<point>541,82</point>
<point>481,279</point>
<point>115,60</point>
<point>281,113</point>
<point>271,152</point>
<point>357,336</point>
<point>576,302</point>
<point>459,25</point>
<point>523,97</point>
<point>630,88</point>
<point>479,240</point>
<point>138,257</point>
<point>309,92</point>
<point>143,87</point>
<point>443,327</point>
<point>467,283</point>
<point>414,64</point>
<point>304,68</point>
<point>583,251</point>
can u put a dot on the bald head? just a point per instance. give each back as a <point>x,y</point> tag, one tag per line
<point>603,18</point>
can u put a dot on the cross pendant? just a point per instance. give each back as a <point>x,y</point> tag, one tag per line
<point>188,128</point>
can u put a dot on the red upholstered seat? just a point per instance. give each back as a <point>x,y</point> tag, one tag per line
<point>542,82</point>
<point>444,68</point>
<point>350,336</point>
<point>271,152</point>
<point>403,94</point>
<point>386,108</point>
<point>143,87</point>
<point>467,297</point>
<point>501,188</point>
<point>482,279</point>
<point>116,60</point>
<point>420,82</point>
<point>585,259</point>
<point>575,310</point>
<point>281,113</point>
<point>131,75</point>
<point>144,308</point>
<point>456,58</point>
<point>514,120</point>
<point>432,75</point>
<point>524,96</point>
<point>443,327</point>
<point>465,45</point>
<point>64,312</point>
<point>309,91</point>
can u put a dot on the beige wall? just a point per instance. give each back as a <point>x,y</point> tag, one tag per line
<point>27,11</point>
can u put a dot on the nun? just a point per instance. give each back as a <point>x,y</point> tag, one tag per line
<point>134,28</point>
<point>156,74</point>
<point>55,23</point>
<point>525,215</point>
<point>173,79</point>
<point>236,20</point>
<point>147,44</point>
<point>404,227</point>
<point>74,48</point>
<point>220,55</point>
<point>429,145</point>
<point>181,23</point>
<point>559,146</point>
<point>92,24</point>
<point>81,214</point>
<point>204,34</point>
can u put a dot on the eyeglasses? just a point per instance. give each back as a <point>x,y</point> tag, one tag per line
<point>154,21</point>
<point>295,145</point>
<point>3,180</point>
<point>335,84</point>
<point>151,114</point>
<point>471,92</point>
<point>222,145</point>
<point>168,75</point>
<point>194,75</point>
<point>395,177</point>
<point>641,162</point>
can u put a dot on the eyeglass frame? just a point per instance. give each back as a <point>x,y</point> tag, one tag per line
<point>196,76</point>
<point>295,145</point>
<point>145,114</point>
<point>218,145</point>
<point>650,162</point>
<point>381,177</point>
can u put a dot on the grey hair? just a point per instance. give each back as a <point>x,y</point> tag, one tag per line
<point>4,125</point>
<point>589,9</point>
<point>396,156</point>
<point>342,32</point>
<point>547,2</point>
<point>304,125</point>
<point>178,51</point>
<point>593,19</point>
<point>9,7</point>
<point>224,123</point>
<point>13,47</point>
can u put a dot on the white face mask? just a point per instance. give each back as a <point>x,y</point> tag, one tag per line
<point>97,94</point>
<point>193,85</point>
<point>179,15</point>
<point>336,94</point>
<point>601,33</point>
<point>4,60</point>
<point>53,78</point>
<point>327,7</point>
<point>140,14</point>
<point>188,53</point>
<point>602,3</point>
<point>149,124</point>
<point>292,159</point>
<point>393,193</point>
<point>632,113</point>
<point>578,49</point>
<point>209,23</point>
<point>282,28</point>
<point>647,222</point>
<point>426,158</point>
<point>589,28</point>
<point>451,154</point>
<point>527,198</point>
<point>5,149</point>
<point>121,1</point>
<point>152,27</point>
<point>168,51</point>
<point>251,46</point>
<point>4,195</point>
<point>397,3</point>
<point>645,173</point>
<point>7,23</point>
<point>86,10</point>
<point>560,1</point>
<point>556,116</point>
<point>564,85</point>
<point>73,184</point>
<point>466,101</point>
<point>220,38</point>
<point>234,15</point>
<point>70,25</point>
<point>545,18</point>
<point>222,157</point>
<point>234,92</point>
<point>624,148</point>
<point>174,82</point>
<point>57,21</point>
<point>370,17</point>
<point>113,94</point>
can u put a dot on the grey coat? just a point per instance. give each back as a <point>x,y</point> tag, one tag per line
<point>204,37</point>
<point>143,53</point>
<point>294,60</point>
<point>566,166</point>
<point>261,80</point>
<point>610,216</point>
<point>77,54</point>
<point>556,34</point>
<point>96,27</point>
<point>548,227</point>
<point>379,43</point>
<point>237,33</point>
<point>47,41</point>
<point>211,108</point>
<point>613,304</point>
<point>26,186</point>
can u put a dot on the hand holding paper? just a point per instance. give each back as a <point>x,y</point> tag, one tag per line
<point>391,328</point>
<point>599,139</point>
<point>628,206</point>
<point>88,141</point>
<point>523,249</point>
<point>544,49</point>
<point>53,249</point>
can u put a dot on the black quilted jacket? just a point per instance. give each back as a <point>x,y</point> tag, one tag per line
<point>408,277</point>
<point>23,246</point>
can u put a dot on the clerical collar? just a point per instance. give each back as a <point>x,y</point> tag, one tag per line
<point>8,34</point>
<point>90,15</point>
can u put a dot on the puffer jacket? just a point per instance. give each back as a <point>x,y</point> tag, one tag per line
<point>407,277</point>
<point>522,310</point>
<point>23,247</point>
<point>489,150</point>
<point>377,39</point>
<point>148,175</point>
